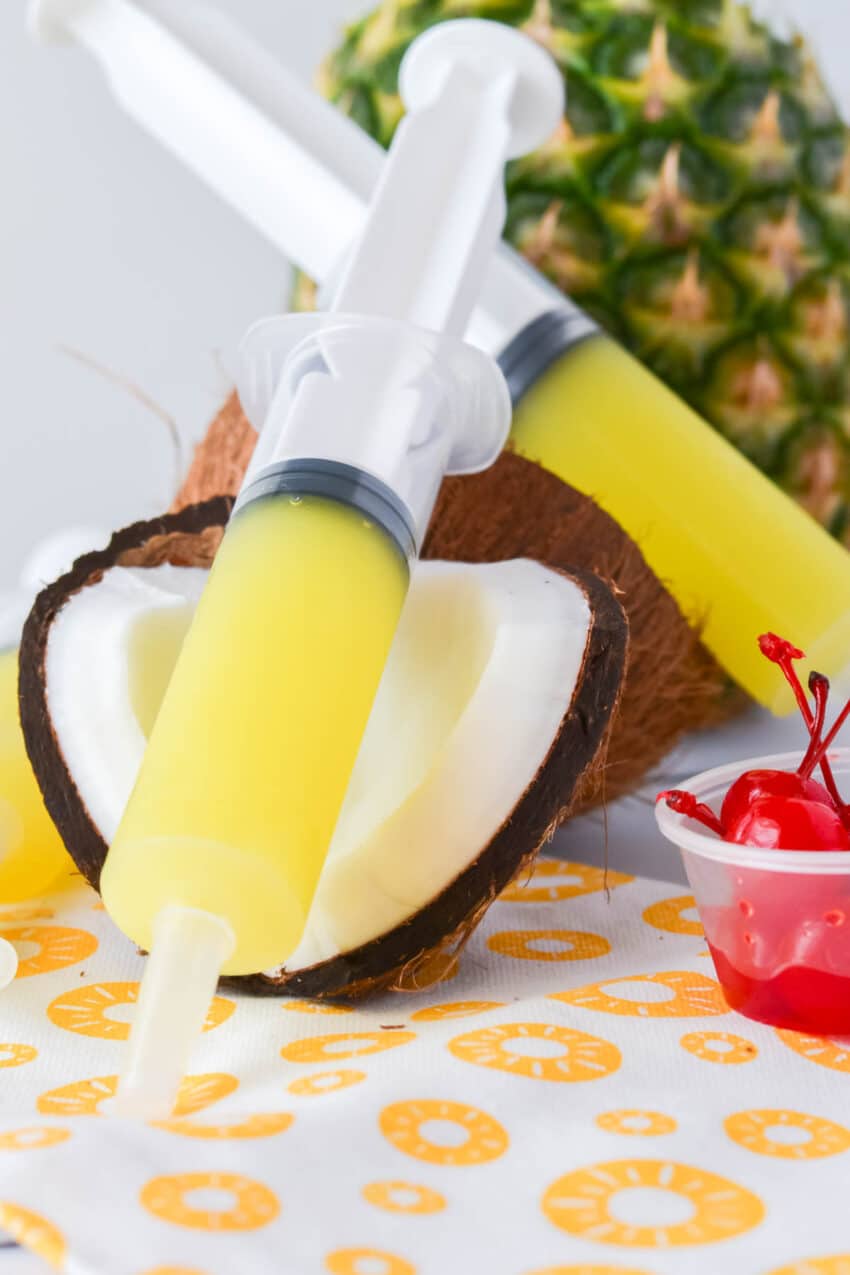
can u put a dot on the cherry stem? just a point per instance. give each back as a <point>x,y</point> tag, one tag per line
<point>819,687</point>
<point>826,743</point>
<point>685,803</point>
<point>783,653</point>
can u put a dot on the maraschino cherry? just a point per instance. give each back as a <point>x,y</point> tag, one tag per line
<point>789,823</point>
<point>780,809</point>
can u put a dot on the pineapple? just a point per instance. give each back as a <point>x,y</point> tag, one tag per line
<point>695,200</point>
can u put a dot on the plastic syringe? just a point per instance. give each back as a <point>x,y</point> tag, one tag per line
<point>363,411</point>
<point>740,557</point>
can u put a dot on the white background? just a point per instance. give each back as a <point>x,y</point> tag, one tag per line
<point>108,247</point>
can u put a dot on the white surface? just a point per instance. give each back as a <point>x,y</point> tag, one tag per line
<point>542,1021</point>
<point>17,1261</point>
<point>107,245</point>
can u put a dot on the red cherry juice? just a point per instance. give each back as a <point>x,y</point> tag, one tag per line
<point>782,951</point>
<point>799,997</point>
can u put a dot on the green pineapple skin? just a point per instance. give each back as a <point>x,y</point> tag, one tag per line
<point>696,201</point>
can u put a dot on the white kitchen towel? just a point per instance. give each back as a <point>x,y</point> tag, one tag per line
<point>576,1100</point>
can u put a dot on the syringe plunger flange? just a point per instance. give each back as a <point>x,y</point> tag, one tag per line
<point>381,397</point>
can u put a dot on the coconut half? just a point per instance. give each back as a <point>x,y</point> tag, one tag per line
<point>469,761</point>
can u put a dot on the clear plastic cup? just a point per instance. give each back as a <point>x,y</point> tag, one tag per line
<point>777,921</point>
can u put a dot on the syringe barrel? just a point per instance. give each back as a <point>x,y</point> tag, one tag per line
<point>253,747</point>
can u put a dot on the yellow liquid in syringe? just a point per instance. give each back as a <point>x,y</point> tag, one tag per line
<point>32,855</point>
<point>253,746</point>
<point>738,556</point>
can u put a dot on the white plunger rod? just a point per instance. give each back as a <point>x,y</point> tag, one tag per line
<point>296,168</point>
<point>477,94</point>
<point>288,162</point>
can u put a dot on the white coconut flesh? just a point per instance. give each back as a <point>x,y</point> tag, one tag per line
<point>481,674</point>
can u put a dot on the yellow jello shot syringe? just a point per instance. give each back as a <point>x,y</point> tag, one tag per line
<point>32,856</point>
<point>363,411</point>
<point>738,555</point>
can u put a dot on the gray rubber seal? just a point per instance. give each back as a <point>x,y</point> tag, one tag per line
<point>533,350</point>
<point>345,484</point>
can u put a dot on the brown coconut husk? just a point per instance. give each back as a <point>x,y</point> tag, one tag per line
<point>673,685</point>
<point>518,509</point>
<point>221,458</point>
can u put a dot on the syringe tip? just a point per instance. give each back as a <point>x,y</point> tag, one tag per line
<point>190,947</point>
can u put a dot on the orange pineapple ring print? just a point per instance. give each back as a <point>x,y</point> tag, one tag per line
<point>25,912</point>
<point>34,1233</point>
<point>838,1265</point>
<point>669,915</point>
<point>366,1261</point>
<point>539,1051</point>
<point>86,1010</point>
<point>322,1082</point>
<point>57,947</point>
<point>453,1009</point>
<point>719,1047</point>
<point>549,945</point>
<point>180,1199</point>
<point>260,1126</point>
<point>83,1097</point>
<point>554,879</point>
<point>790,1135</point>
<point>319,1049</point>
<point>675,994</point>
<point>17,1055</point>
<point>639,1124</point>
<point>175,1270</point>
<point>588,1270</point>
<point>687,1205</point>
<point>403,1197</point>
<point>823,1052</point>
<point>314,1007</point>
<point>419,1129</point>
<point>32,1139</point>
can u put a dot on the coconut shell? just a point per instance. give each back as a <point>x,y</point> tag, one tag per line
<point>400,957</point>
<point>399,960</point>
<point>518,509</point>
<point>188,539</point>
<point>221,458</point>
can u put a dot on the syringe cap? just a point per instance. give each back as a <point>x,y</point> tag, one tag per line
<point>537,103</point>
